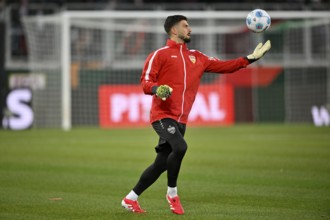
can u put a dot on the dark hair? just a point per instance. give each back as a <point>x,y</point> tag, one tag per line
<point>173,20</point>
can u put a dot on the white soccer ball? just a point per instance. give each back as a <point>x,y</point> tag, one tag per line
<point>258,20</point>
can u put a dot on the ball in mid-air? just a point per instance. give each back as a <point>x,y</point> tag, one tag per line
<point>258,20</point>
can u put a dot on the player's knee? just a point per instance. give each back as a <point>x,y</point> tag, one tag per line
<point>184,147</point>
<point>181,148</point>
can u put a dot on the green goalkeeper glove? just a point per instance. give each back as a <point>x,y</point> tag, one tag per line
<point>259,52</point>
<point>163,91</point>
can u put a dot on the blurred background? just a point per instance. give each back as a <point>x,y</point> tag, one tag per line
<point>67,64</point>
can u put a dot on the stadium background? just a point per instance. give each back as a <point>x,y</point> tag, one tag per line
<point>272,163</point>
<point>274,90</point>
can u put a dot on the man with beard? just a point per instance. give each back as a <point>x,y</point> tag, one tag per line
<point>172,76</point>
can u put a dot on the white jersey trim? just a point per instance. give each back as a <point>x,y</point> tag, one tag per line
<point>146,77</point>
<point>184,83</point>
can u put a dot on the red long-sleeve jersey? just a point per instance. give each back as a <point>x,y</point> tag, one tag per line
<point>176,66</point>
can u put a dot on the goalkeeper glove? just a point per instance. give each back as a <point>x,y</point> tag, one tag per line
<point>163,91</point>
<point>259,52</point>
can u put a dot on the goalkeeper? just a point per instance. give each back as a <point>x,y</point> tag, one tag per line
<point>172,75</point>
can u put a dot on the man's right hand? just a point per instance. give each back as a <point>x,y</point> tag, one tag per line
<point>163,92</point>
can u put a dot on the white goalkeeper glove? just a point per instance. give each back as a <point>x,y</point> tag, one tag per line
<point>259,52</point>
<point>163,91</point>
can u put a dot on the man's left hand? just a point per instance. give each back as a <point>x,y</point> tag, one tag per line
<point>260,51</point>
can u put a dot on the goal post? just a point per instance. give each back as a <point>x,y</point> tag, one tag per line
<point>66,72</point>
<point>90,57</point>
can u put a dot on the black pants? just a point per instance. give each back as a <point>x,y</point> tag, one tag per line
<point>170,150</point>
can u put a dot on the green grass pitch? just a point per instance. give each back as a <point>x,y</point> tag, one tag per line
<point>265,171</point>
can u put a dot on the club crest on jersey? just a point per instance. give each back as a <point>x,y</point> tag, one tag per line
<point>171,129</point>
<point>192,58</point>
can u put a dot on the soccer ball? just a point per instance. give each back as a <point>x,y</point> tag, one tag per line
<point>258,20</point>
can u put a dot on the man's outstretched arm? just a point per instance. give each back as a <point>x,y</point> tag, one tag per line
<point>215,65</point>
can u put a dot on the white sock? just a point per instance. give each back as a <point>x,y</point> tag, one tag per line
<point>172,191</point>
<point>132,196</point>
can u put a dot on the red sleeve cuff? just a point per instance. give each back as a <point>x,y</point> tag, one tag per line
<point>245,61</point>
<point>147,87</point>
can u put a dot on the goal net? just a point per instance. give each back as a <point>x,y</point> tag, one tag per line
<point>92,62</point>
